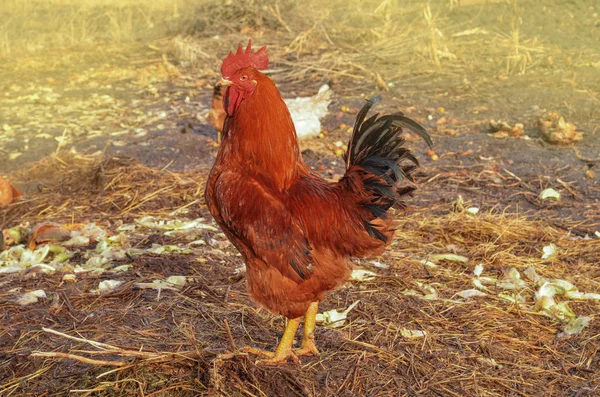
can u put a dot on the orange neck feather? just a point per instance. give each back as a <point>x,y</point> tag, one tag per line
<point>261,137</point>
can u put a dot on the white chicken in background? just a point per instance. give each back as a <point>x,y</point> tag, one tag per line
<point>306,112</point>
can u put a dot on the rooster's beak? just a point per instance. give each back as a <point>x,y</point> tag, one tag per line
<point>224,82</point>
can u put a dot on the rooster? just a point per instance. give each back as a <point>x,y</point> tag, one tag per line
<point>296,231</point>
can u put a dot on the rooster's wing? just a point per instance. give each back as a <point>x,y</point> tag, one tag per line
<point>259,224</point>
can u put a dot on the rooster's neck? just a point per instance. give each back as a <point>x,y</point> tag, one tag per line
<point>261,137</point>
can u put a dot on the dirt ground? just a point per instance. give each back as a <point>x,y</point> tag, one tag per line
<point>110,133</point>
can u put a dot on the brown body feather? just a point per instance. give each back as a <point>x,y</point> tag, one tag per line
<point>295,230</point>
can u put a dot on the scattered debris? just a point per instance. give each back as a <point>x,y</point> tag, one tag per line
<point>426,291</point>
<point>478,270</point>
<point>70,278</point>
<point>501,129</point>
<point>106,286</point>
<point>448,257</point>
<point>31,297</point>
<point>432,155</point>
<point>334,318</point>
<point>172,282</point>
<point>574,326</point>
<point>172,226</point>
<point>473,210</point>
<point>362,275</point>
<point>549,193</point>
<point>412,333</point>
<point>428,263</point>
<point>512,280</point>
<point>490,361</point>
<point>8,193</point>
<point>556,130</point>
<point>48,232</point>
<point>470,293</point>
<point>550,252</point>
<point>380,265</point>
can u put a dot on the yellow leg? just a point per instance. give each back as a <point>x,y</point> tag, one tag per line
<point>284,350</point>
<point>308,347</point>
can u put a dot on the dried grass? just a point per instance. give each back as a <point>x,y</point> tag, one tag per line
<point>144,342</point>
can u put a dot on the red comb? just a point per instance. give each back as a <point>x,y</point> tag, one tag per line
<point>242,59</point>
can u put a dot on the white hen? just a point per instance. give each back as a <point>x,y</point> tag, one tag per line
<point>307,112</point>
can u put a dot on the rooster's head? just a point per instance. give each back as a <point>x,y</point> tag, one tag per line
<point>240,73</point>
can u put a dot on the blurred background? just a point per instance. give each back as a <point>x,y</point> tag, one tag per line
<point>486,59</point>
<point>510,81</point>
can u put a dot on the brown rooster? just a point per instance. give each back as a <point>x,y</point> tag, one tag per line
<point>295,230</point>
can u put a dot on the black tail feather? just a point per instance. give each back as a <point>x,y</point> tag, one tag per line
<point>377,145</point>
<point>374,232</point>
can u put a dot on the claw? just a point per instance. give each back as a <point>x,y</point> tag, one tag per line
<point>308,348</point>
<point>270,358</point>
<point>280,359</point>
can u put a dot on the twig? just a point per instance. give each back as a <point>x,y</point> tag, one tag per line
<point>566,186</point>
<point>586,159</point>
<point>61,142</point>
<point>78,358</point>
<point>229,336</point>
<point>98,345</point>
<point>277,14</point>
<point>513,175</point>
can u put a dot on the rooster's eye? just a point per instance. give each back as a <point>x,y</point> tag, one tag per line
<point>243,78</point>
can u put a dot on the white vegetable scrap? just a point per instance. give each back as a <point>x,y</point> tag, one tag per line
<point>448,257</point>
<point>574,326</point>
<point>513,298</point>
<point>512,280</point>
<point>478,270</point>
<point>334,318</point>
<point>174,225</point>
<point>69,278</point>
<point>177,280</point>
<point>478,280</point>
<point>549,193</point>
<point>171,283</point>
<point>31,297</point>
<point>84,235</point>
<point>429,292</point>
<point>473,210</point>
<point>121,268</point>
<point>546,305</point>
<point>470,293</point>
<point>490,361</point>
<point>532,275</point>
<point>380,265</point>
<point>362,275</point>
<point>106,286</point>
<point>550,252</point>
<point>412,333</point>
<point>427,263</point>
<point>48,258</point>
<point>582,295</point>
